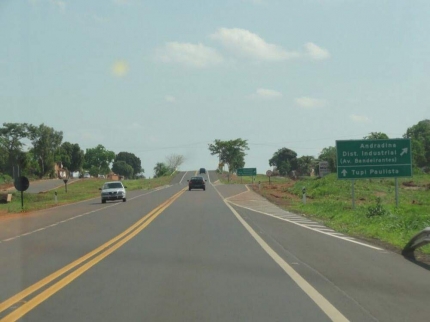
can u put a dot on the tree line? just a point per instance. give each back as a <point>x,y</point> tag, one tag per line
<point>419,134</point>
<point>285,160</point>
<point>36,150</point>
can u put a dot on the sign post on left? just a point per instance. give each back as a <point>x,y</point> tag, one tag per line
<point>22,184</point>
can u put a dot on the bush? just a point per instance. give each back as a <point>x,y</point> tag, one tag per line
<point>376,210</point>
<point>4,178</point>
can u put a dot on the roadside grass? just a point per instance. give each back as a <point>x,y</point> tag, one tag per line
<point>329,201</point>
<point>80,190</point>
<point>234,179</point>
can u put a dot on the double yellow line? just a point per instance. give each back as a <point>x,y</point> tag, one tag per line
<point>100,253</point>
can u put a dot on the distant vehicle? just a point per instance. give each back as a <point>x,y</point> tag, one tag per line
<point>102,176</point>
<point>113,190</point>
<point>196,183</point>
<point>87,175</point>
<point>202,170</point>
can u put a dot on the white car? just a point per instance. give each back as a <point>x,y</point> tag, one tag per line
<point>113,190</point>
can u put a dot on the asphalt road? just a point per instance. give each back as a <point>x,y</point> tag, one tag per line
<point>186,255</point>
<point>45,185</point>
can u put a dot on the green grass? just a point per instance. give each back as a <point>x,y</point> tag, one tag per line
<point>329,200</point>
<point>78,191</point>
<point>5,179</point>
<point>234,179</point>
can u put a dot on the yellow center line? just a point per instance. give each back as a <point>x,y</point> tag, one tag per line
<point>143,222</point>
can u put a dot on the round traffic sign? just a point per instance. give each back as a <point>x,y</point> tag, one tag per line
<point>269,173</point>
<point>21,183</point>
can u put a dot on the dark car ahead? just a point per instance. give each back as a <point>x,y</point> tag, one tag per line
<point>196,183</point>
<point>202,170</point>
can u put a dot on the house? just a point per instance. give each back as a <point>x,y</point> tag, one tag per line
<point>112,176</point>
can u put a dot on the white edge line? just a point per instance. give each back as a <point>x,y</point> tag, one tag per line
<point>331,311</point>
<point>180,182</point>
<point>228,198</point>
<point>304,226</point>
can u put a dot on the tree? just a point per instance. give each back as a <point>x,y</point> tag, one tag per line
<point>46,142</point>
<point>173,161</point>
<point>99,158</point>
<point>3,159</point>
<point>131,160</point>
<point>123,169</point>
<point>71,156</point>
<point>376,136</point>
<point>230,152</point>
<point>420,140</point>
<point>305,164</point>
<point>284,160</point>
<point>160,170</point>
<point>329,154</point>
<point>11,135</point>
<point>94,171</point>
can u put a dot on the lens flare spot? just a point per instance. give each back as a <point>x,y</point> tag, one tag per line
<point>120,68</point>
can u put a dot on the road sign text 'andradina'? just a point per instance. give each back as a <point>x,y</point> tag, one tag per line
<point>359,159</point>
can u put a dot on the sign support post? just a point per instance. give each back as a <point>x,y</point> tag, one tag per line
<point>21,184</point>
<point>269,174</point>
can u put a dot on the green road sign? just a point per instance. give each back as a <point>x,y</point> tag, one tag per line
<point>361,159</point>
<point>247,172</point>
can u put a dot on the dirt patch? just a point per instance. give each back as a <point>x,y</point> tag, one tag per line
<point>276,193</point>
<point>380,194</point>
<point>409,184</point>
<point>414,188</point>
<point>6,186</point>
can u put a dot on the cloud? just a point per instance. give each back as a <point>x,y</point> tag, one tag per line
<point>60,4</point>
<point>359,118</point>
<point>170,99</point>
<point>263,93</point>
<point>120,68</point>
<point>315,52</point>
<point>198,56</point>
<point>246,43</point>
<point>309,102</point>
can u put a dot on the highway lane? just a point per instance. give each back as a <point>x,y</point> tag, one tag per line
<point>13,225</point>
<point>368,284</point>
<point>45,185</point>
<point>179,178</point>
<point>28,258</point>
<point>196,261</point>
<point>213,176</point>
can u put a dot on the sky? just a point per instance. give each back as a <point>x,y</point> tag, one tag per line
<point>156,78</point>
